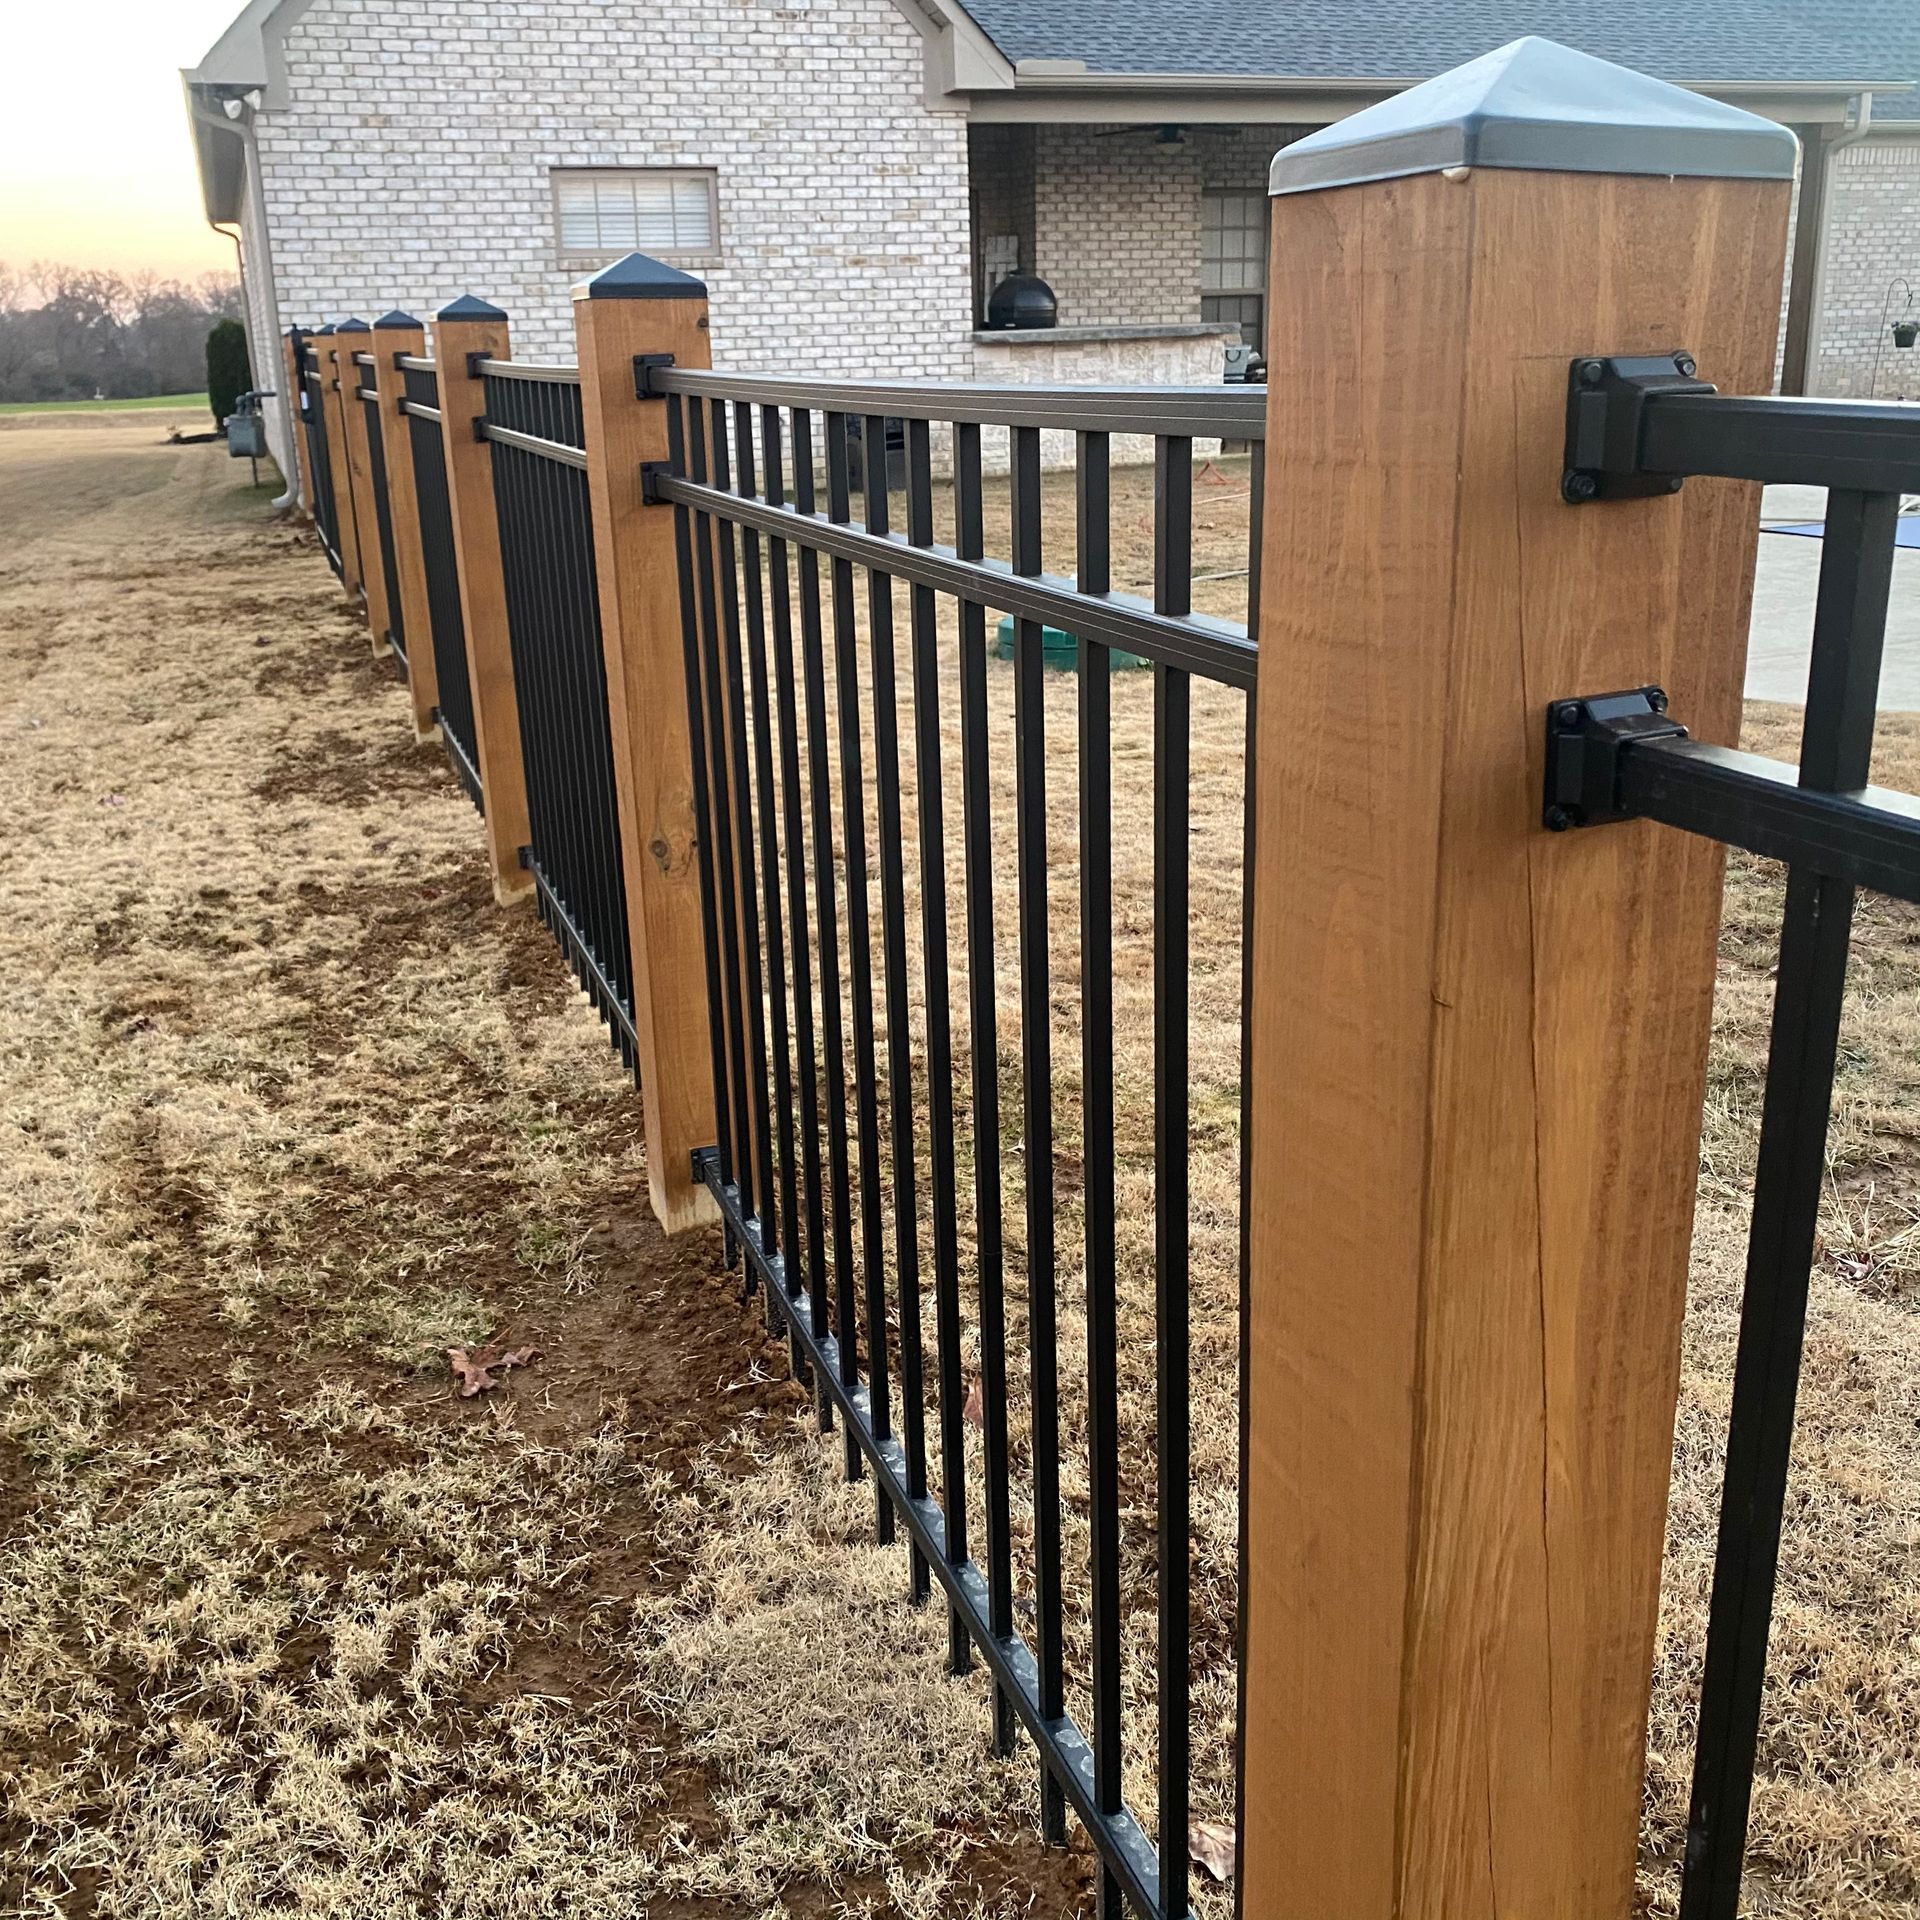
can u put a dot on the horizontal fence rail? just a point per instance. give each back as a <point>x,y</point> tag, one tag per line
<point>533,418</point>
<point>1837,834</point>
<point>453,710</point>
<point>824,1146</point>
<point>1227,413</point>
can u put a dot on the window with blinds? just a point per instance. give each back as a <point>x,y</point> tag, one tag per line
<point>601,213</point>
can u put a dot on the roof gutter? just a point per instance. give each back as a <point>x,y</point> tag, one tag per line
<point>1065,90</point>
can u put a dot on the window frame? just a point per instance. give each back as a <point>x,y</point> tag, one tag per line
<point>1255,292</point>
<point>576,259</point>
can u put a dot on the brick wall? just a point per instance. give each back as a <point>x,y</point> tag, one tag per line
<point>1873,235</point>
<point>1117,220</point>
<point>412,164</point>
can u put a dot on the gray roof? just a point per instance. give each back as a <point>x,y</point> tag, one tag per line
<point>1687,40</point>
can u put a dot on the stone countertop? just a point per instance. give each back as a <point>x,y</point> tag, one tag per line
<point>1073,336</point>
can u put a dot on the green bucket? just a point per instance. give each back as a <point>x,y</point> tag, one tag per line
<point>1060,650</point>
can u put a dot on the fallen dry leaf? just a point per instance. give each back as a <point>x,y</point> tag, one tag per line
<point>476,1370</point>
<point>1210,1847</point>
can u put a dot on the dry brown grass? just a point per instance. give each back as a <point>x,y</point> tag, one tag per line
<point>288,1107</point>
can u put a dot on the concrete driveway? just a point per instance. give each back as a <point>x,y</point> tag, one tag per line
<point>1781,636</point>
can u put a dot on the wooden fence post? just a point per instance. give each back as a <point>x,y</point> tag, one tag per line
<point>464,332</point>
<point>396,334</point>
<point>327,351</point>
<point>1478,1048</point>
<point>349,338</point>
<point>638,306</point>
<point>293,347</point>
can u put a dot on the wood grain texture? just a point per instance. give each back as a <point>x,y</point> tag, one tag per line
<point>640,630</point>
<point>293,385</point>
<point>408,588</point>
<point>1478,1049</point>
<point>353,413</point>
<point>483,596</point>
<point>339,465</point>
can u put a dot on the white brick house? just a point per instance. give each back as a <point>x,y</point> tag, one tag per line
<point>850,177</point>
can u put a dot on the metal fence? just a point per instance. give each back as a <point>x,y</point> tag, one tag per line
<point>313,416</point>
<point>859,1092</point>
<point>369,401</point>
<point>420,404</point>
<point>1646,425</point>
<point>798,1167</point>
<point>533,419</point>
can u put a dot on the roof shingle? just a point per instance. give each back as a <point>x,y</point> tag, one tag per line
<point>1708,41</point>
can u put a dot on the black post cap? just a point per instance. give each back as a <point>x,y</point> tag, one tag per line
<point>640,277</point>
<point>468,307</point>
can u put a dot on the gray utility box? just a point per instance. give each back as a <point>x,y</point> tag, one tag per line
<point>246,436</point>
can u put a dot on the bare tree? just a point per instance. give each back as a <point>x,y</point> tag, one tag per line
<point>69,333</point>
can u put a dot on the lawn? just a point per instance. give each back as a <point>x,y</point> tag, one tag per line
<point>150,403</point>
<point>288,1108</point>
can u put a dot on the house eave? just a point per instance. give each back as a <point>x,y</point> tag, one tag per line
<point>220,151</point>
<point>249,55</point>
<point>1049,91</point>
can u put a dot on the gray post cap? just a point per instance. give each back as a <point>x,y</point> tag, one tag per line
<point>640,277</point>
<point>469,307</point>
<point>1542,108</point>
<point>393,321</point>
<point>351,326</point>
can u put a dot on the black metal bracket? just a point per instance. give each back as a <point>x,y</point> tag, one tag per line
<point>1585,739</point>
<point>479,426</point>
<point>1606,402</point>
<point>652,472</point>
<point>475,361</point>
<point>644,385</point>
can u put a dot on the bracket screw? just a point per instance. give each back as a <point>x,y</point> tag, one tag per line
<point>1577,485</point>
<point>1657,699</point>
<point>1684,362</point>
<point>1556,819</point>
<point>1592,372</point>
<point>1566,716</point>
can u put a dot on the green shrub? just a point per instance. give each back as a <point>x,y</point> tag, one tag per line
<point>229,372</point>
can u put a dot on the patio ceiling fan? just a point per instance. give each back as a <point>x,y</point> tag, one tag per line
<point>1167,135</point>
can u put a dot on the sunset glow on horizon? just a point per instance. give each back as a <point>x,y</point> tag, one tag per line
<point>96,162</point>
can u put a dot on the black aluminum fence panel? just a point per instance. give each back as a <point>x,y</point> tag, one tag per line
<point>839,1174</point>
<point>313,417</point>
<point>1836,834</point>
<point>396,633</point>
<point>454,710</point>
<point>560,682</point>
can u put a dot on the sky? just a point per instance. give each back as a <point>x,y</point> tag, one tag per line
<point>96,165</point>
